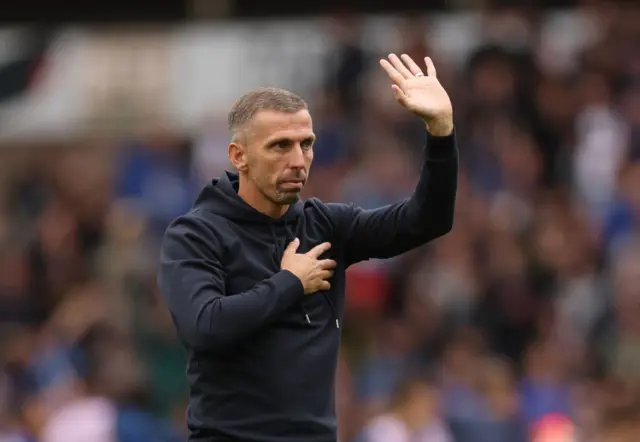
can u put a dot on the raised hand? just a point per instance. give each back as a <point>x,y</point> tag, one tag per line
<point>314,273</point>
<point>420,93</point>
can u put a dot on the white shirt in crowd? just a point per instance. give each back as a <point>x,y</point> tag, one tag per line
<point>82,420</point>
<point>388,428</point>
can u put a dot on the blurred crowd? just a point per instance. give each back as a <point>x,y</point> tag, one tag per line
<point>520,325</point>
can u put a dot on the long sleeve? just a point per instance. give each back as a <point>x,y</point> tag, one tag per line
<point>192,280</point>
<point>392,230</point>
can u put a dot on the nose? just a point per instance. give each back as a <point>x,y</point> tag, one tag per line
<point>297,157</point>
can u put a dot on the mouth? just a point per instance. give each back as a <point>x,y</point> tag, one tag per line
<point>293,184</point>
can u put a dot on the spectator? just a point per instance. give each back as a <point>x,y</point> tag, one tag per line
<point>413,416</point>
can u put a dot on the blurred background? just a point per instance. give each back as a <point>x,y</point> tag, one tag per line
<point>522,324</point>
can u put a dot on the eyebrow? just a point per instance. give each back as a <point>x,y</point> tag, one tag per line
<point>311,138</point>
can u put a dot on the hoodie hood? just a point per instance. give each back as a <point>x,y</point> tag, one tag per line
<point>221,197</point>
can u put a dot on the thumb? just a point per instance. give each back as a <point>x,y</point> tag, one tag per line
<point>399,94</point>
<point>293,246</point>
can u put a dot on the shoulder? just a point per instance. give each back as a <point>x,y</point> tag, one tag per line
<point>316,208</point>
<point>198,221</point>
<point>197,229</point>
<point>337,215</point>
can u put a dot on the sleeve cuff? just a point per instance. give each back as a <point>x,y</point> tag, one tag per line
<point>290,285</point>
<point>441,148</point>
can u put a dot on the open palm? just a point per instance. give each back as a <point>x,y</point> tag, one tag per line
<point>421,94</point>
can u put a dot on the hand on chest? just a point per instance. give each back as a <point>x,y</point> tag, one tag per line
<point>258,258</point>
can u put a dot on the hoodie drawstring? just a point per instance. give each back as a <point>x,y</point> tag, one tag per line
<point>278,251</point>
<point>333,309</point>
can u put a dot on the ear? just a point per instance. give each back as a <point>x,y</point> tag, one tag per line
<point>238,156</point>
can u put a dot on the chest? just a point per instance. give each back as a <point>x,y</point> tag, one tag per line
<point>257,255</point>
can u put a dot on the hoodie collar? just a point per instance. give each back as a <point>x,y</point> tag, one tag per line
<point>221,197</point>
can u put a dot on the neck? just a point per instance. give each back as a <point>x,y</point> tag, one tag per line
<point>252,196</point>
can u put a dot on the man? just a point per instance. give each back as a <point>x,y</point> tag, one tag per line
<point>255,278</point>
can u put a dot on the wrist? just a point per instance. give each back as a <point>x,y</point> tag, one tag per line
<point>440,127</point>
<point>292,281</point>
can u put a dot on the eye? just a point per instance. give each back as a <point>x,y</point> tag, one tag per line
<point>307,144</point>
<point>281,144</point>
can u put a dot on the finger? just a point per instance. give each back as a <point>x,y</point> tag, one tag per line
<point>400,67</point>
<point>431,69</point>
<point>327,264</point>
<point>293,246</point>
<point>399,94</point>
<point>326,274</point>
<point>413,67</point>
<point>324,286</point>
<point>393,74</point>
<point>319,250</point>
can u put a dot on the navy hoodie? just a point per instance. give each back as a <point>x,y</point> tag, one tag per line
<point>262,355</point>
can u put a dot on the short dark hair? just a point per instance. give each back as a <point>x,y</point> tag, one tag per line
<point>267,98</point>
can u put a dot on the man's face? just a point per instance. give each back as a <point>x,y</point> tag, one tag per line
<point>278,151</point>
